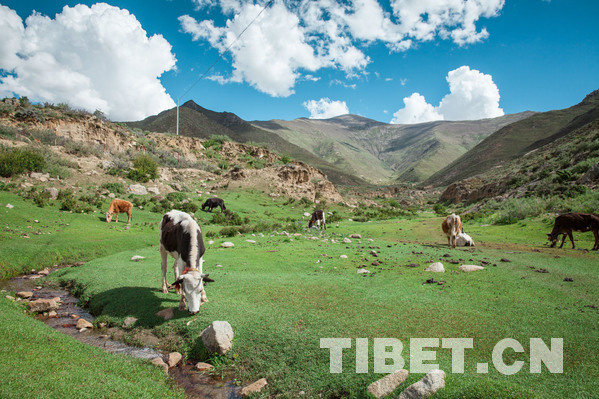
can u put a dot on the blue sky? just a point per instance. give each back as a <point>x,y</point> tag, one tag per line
<point>400,61</point>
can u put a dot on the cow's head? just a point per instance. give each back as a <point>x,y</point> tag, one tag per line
<point>192,284</point>
<point>552,238</point>
<point>109,216</point>
<point>311,223</point>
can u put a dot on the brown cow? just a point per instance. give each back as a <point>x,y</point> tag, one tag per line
<point>116,206</point>
<point>452,226</point>
<point>568,222</point>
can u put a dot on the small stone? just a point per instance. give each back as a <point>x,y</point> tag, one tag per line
<point>9,206</point>
<point>210,242</point>
<point>436,267</point>
<point>253,387</point>
<point>43,305</point>
<point>569,279</point>
<point>357,236</point>
<point>218,337</point>
<point>137,258</point>
<point>251,241</point>
<point>201,366</point>
<point>44,272</point>
<point>343,256</point>
<point>10,298</point>
<point>227,244</point>
<point>82,323</point>
<point>160,363</point>
<point>52,314</point>
<point>306,214</point>
<point>426,387</point>
<point>129,321</point>
<point>504,260</point>
<point>388,383</point>
<point>470,268</point>
<point>362,271</point>
<point>346,240</point>
<point>74,316</point>
<point>24,294</point>
<point>173,359</point>
<point>166,314</point>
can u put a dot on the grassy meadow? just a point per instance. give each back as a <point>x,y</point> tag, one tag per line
<point>284,292</point>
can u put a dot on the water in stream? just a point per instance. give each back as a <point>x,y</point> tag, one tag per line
<point>196,384</point>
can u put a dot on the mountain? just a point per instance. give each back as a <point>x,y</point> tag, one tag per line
<point>350,149</point>
<point>387,153</point>
<point>517,139</point>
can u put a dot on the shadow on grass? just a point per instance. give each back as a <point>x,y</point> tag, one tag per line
<point>140,302</point>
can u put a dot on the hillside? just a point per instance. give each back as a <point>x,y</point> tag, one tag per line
<point>196,121</point>
<point>386,153</point>
<point>517,139</point>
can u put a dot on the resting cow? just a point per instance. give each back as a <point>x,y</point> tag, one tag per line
<point>452,226</point>
<point>464,240</point>
<point>568,222</point>
<point>118,205</point>
<point>181,237</point>
<point>212,203</point>
<point>319,219</point>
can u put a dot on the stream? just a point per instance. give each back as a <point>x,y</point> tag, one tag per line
<point>196,384</point>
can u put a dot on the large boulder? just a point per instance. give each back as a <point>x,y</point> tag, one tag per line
<point>43,305</point>
<point>218,337</point>
<point>470,268</point>
<point>426,387</point>
<point>137,189</point>
<point>436,267</point>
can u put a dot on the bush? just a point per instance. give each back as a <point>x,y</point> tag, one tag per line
<point>216,141</point>
<point>15,161</point>
<point>440,209</point>
<point>117,188</point>
<point>228,218</point>
<point>144,169</point>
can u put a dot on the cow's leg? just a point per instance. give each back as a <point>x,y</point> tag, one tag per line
<point>563,239</point>
<point>178,267</point>
<point>596,246</point>
<point>163,264</point>
<point>182,303</point>
<point>130,213</point>
<point>204,298</point>
<point>571,238</point>
<point>117,216</point>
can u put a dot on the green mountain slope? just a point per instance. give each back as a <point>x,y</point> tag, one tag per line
<point>517,139</point>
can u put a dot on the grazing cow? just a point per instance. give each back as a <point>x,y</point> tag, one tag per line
<point>568,222</point>
<point>452,226</point>
<point>318,218</point>
<point>181,237</point>
<point>464,240</point>
<point>212,203</point>
<point>116,206</point>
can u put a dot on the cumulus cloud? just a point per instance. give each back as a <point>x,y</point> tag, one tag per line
<point>325,108</point>
<point>96,57</point>
<point>294,37</point>
<point>472,95</point>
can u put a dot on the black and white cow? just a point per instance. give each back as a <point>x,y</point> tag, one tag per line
<point>181,237</point>
<point>212,203</point>
<point>318,218</point>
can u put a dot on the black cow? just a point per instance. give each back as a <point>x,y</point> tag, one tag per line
<point>568,222</point>
<point>212,203</point>
<point>318,218</point>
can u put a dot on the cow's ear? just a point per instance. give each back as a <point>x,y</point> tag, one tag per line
<point>178,282</point>
<point>206,278</point>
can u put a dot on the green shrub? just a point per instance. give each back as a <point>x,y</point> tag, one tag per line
<point>117,188</point>
<point>15,161</point>
<point>228,218</point>
<point>216,141</point>
<point>440,209</point>
<point>176,196</point>
<point>144,169</point>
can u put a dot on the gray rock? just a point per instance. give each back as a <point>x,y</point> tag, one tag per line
<point>343,256</point>
<point>138,189</point>
<point>218,337</point>
<point>40,176</point>
<point>426,387</point>
<point>53,192</point>
<point>470,268</point>
<point>591,175</point>
<point>227,244</point>
<point>362,271</point>
<point>166,314</point>
<point>129,321</point>
<point>24,294</point>
<point>137,258</point>
<point>436,267</point>
<point>154,190</point>
<point>10,206</point>
<point>347,240</point>
<point>43,305</point>
<point>82,323</point>
<point>388,383</point>
<point>358,236</point>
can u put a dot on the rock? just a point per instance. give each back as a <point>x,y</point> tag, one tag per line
<point>177,187</point>
<point>210,242</point>
<point>362,271</point>
<point>9,206</point>
<point>44,272</point>
<point>436,267</point>
<point>52,314</point>
<point>43,305</point>
<point>10,298</point>
<point>82,323</point>
<point>504,260</point>
<point>388,383</point>
<point>53,192</point>
<point>129,321</point>
<point>74,316</point>
<point>154,190</point>
<point>166,314</point>
<point>173,359</point>
<point>227,244</point>
<point>568,279</point>
<point>347,240</point>
<point>160,363</point>
<point>24,294</point>
<point>218,337</point>
<point>307,214</point>
<point>343,256</point>
<point>251,241</point>
<point>470,268</point>
<point>112,195</point>
<point>358,236</point>
<point>590,176</point>
<point>253,387</point>
<point>137,258</point>
<point>426,387</point>
<point>138,189</point>
<point>40,176</point>
<point>464,240</point>
<point>201,366</point>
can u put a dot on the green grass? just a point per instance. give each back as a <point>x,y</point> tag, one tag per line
<point>282,294</point>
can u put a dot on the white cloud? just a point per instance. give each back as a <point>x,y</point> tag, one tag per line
<point>473,95</point>
<point>294,37</point>
<point>325,108</point>
<point>416,110</point>
<point>96,57</point>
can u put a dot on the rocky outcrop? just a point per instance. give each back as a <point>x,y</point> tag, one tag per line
<point>471,190</point>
